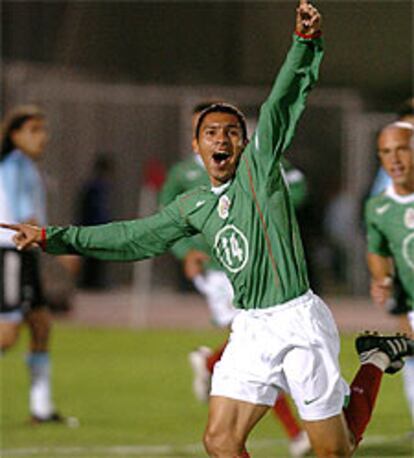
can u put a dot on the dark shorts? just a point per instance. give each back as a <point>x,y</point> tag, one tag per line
<point>20,284</point>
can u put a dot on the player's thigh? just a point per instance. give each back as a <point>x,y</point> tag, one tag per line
<point>9,333</point>
<point>39,322</point>
<point>329,437</point>
<point>230,420</point>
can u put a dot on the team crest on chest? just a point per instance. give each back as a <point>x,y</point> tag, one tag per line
<point>223,207</point>
<point>409,218</point>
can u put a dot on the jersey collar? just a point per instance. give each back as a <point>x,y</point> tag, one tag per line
<point>390,192</point>
<point>217,190</point>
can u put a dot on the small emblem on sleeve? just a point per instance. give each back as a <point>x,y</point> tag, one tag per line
<point>383,209</point>
<point>409,218</point>
<point>223,207</point>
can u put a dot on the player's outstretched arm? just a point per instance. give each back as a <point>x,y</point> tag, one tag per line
<point>26,235</point>
<point>120,241</point>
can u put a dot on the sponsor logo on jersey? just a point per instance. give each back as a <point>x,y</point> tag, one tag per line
<point>383,209</point>
<point>231,248</point>
<point>409,218</point>
<point>223,207</point>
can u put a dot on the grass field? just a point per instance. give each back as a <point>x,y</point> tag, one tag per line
<point>131,391</point>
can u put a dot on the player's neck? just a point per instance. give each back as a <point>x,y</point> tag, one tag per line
<point>404,189</point>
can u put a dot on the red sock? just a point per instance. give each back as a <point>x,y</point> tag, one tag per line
<point>364,391</point>
<point>283,412</point>
<point>211,360</point>
<point>244,454</point>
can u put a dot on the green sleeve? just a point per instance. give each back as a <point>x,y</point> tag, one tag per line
<point>281,111</point>
<point>122,241</point>
<point>376,241</point>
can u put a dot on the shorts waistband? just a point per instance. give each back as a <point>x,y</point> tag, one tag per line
<point>283,306</point>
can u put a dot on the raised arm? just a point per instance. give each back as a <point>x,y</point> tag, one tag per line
<point>120,241</point>
<point>281,111</point>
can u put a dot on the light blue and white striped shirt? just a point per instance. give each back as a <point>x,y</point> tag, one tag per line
<point>22,191</point>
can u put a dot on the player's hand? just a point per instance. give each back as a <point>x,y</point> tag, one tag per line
<point>308,18</point>
<point>26,236</point>
<point>381,290</point>
<point>194,262</point>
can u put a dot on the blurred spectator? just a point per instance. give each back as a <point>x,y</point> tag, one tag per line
<point>94,207</point>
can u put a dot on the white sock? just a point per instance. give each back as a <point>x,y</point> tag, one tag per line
<point>40,391</point>
<point>375,357</point>
<point>408,376</point>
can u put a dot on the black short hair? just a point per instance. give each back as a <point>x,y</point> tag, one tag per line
<point>201,106</point>
<point>406,108</point>
<point>222,107</point>
<point>14,120</point>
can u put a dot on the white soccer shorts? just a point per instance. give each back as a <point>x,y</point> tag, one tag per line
<point>292,347</point>
<point>216,288</point>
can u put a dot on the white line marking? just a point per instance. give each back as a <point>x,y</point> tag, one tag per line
<point>166,450</point>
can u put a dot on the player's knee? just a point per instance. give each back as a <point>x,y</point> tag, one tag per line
<point>218,443</point>
<point>8,337</point>
<point>333,450</point>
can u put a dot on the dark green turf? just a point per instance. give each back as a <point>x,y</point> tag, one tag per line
<point>134,388</point>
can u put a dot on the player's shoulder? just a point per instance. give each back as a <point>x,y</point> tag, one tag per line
<point>379,205</point>
<point>194,200</point>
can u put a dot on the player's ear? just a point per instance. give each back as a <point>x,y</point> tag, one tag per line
<point>194,144</point>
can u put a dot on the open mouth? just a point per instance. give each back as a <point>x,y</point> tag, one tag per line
<point>220,157</point>
<point>397,171</point>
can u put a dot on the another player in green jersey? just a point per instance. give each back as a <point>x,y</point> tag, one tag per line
<point>390,229</point>
<point>284,337</point>
<point>212,282</point>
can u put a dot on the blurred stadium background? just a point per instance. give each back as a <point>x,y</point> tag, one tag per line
<point>121,77</point>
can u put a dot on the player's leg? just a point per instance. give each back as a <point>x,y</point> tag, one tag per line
<point>299,444</point>
<point>39,321</point>
<point>229,424</point>
<point>38,364</point>
<point>408,370</point>
<point>378,354</point>
<point>329,437</point>
<point>217,290</point>
<point>9,332</point>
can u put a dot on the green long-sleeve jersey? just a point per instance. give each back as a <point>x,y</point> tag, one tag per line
<point>389,221</point>
<point>249,222</point>
<point>190,173</point>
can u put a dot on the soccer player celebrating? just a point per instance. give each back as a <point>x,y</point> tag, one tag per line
<point>390,229</point>
<point>211,281</point>
<point>284,337</point>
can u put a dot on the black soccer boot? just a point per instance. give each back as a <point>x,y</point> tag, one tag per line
<point>396,347</point>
